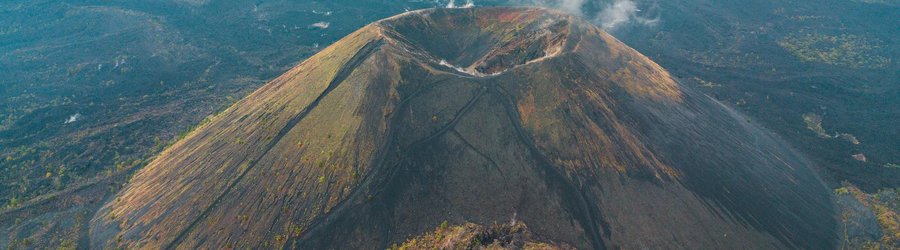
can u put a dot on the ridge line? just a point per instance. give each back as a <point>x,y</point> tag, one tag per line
<point>339,77</point>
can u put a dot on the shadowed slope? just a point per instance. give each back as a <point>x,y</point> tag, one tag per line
<point>474,115</point>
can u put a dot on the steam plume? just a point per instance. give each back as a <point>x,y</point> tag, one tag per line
<point>611,16</point>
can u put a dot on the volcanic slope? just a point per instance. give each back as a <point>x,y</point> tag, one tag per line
<point>476,115</point>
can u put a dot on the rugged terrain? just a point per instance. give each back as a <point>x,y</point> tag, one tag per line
<point>91,87</point>
<point>474,115</point>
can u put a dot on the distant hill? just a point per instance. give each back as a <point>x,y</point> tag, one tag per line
<point>476,115</point>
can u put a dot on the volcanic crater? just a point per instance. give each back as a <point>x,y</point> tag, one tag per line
<point>477,115</point>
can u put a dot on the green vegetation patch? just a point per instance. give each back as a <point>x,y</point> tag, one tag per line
<point>814,123</point>
<point>885,205</point>
<point>513,235</point>
<point>705,83</point>
<point>842,50</point>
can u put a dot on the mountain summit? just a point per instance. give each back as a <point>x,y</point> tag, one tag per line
<point>451,118</point>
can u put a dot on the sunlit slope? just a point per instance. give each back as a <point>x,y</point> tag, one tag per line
<point>474,115</point>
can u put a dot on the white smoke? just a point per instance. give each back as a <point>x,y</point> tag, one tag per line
<point>73,118</point>
<point>324,13</point>
<point>571,6</point>
<point>612,15</point>
<point>468,4</point>
<point>320,25</point>
<point>464,70</point>
<point>622,12</point>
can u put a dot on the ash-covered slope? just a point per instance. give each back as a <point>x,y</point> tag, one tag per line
<point>474,115</point>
